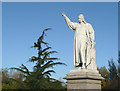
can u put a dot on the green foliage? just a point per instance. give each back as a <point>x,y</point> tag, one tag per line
<point>119,65</point>
<point>12,81</point>
<point>104,72</point>
<point>22,69</point>
<point>113,70</point>
<point>112,78</point>
<point>119,71</point>
<point>40,77</point>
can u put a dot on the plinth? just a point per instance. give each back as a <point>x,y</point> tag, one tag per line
<point>81,79</point>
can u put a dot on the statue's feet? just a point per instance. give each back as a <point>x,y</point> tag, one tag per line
<point>84,66</point>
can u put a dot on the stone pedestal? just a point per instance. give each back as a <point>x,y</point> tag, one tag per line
<point>81,79</point>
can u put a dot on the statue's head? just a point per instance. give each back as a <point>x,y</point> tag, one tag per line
<point>81,18</point>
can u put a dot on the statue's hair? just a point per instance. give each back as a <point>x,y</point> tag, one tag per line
<point>81,16</point>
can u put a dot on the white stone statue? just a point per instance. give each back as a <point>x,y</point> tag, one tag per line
<point>84,52</point>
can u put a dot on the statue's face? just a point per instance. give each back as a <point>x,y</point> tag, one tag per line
<point>80,17</point>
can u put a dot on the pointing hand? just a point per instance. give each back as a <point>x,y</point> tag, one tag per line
<point>63,14</point>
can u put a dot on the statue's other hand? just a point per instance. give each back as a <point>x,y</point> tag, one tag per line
<point>93,44</point>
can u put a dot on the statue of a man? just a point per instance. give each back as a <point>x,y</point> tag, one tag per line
<point>83,41</point>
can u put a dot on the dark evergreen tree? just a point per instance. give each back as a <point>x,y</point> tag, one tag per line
<point>40,77</point>
<point>104,72</point>
<point>113,70</point>
<point>119,65</point>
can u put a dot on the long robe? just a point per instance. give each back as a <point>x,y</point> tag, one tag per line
<point>81,39</point>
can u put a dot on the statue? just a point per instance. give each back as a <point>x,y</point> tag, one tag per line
<point>84,52</point>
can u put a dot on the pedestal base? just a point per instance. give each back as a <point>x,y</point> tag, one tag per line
<point>83,79</point>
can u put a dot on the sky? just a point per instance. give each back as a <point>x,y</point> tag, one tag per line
<point>23,23</point>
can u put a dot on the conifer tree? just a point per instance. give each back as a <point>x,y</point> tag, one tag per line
<point>113,70</point>
<point>40,77</point>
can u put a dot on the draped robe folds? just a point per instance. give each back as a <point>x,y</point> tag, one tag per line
<point>80,45</point>
<point>84,36</point>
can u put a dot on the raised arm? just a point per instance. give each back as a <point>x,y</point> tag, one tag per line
<point>70,24</point>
